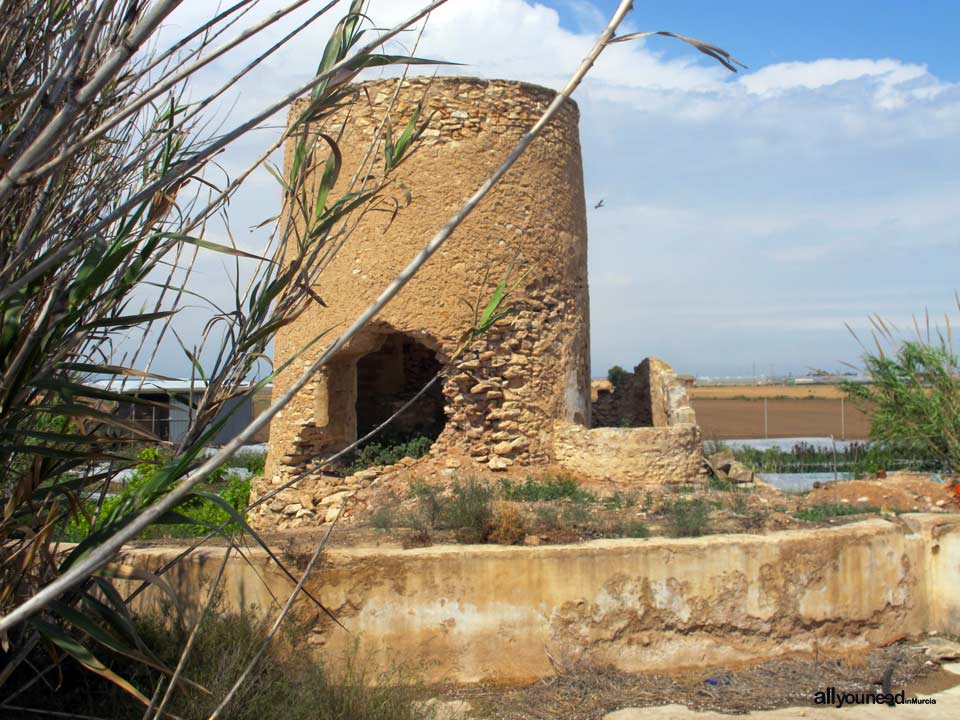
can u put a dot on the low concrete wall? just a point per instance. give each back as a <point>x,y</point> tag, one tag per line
<point>938,541</point>
<point>641,455</point>
<point>513,614</point>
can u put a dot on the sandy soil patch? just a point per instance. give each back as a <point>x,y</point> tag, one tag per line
<point>904,492</point>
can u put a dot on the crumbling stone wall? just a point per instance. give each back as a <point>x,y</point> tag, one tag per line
<point>653,395</point>
<point>631,456</point>
<point>503,394</point>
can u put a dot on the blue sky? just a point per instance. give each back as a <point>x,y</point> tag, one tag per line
<point>771,31</point>
<point>747,218</point>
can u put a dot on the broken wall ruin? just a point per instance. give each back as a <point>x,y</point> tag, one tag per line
<point>653,395</point>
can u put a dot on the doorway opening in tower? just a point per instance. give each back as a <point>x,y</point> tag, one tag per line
<point>389,377</point>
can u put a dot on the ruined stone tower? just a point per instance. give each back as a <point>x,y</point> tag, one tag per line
<point>498,403</point>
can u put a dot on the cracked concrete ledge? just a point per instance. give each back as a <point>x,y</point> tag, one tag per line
<point>515,614</point>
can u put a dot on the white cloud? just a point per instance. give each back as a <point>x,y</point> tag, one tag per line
<point>820,73</point>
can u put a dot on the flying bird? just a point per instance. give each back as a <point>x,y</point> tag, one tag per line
<point>598,205</point>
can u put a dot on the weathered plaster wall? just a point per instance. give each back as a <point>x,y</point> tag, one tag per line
<point>505,392</point>
<point>472,613</point>
<point>940,550</point>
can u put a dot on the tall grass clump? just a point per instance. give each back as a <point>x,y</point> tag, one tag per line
<point>109,194</point>
<point>913,393</point>
<point>290,683</point>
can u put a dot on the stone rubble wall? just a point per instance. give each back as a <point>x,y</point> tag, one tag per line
<point>653,395</point>
<point>631,456</point>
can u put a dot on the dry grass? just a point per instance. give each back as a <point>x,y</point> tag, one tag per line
<point>291,683</point>
<point>586,693</point>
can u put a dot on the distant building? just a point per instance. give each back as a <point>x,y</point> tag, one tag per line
<point>166,407</point>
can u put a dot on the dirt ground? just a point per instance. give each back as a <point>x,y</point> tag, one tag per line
<point>902,492</point>
<point>726,392</point>
<point>754,508</point>
<point>736,411</point>
<point>740,417</point>
<point>589,693</point>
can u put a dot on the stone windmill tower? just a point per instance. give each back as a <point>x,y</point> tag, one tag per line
<point>497,404</point>
<point>518,396</point>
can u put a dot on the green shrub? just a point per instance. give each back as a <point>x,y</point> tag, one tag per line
<point>545,489</point>
<point>236,492</point>
<point>389,450</point>
<point>469,512</point>
<point>632,529</point>
<point>617,376</point>
<point>576,515</point>
<point>726,485</point>
<point>384,517</point>
<point>548,518</point>
<point>820,513</point>
<point>429,504</point>
<point>740,505</point>
<point>254,462</point>
<point>688,518</point>
<point>619,501</point>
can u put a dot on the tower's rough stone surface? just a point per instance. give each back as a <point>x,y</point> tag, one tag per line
<point>501,397</point>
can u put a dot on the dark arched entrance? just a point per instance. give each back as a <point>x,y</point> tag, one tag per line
<point>390,376</point>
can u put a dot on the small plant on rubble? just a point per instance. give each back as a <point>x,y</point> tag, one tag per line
<point>631,529</point>
<point>469,512</point>
<point>389,450</point>
<point>430,506</point>
<point>508,526</point>
<point>545,489</point>
<point>688,518</point>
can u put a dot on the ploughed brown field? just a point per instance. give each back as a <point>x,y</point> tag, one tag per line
<point>731,412</point>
